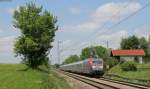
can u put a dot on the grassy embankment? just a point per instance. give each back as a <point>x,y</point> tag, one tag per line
<point>142,75</point>
<point>14,76</point>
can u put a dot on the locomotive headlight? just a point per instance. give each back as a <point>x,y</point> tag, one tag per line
<point>97,67</point>
<point>93,67</point>
<point>101,67</point>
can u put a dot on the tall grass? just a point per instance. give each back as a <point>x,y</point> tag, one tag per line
<point>15,76</point>
<point>139,74</point>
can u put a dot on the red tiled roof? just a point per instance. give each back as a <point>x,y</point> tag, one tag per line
<point>138,52</point>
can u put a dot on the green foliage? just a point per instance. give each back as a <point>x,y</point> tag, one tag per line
<point>71,59</point>
<point>100,51</point>
<point>58,82</point>
<point>139,74</point>
<point>97,51</point>
<point>86,53</point>
<point>145,45</point>
<point>144,65</point>
<point>129,66</point>
<point>112,62</point>
<point>131,42</point>
<point>38,30</point>
<point>56,65</point>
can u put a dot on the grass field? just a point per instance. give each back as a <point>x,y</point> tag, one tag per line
<point>147,65</point>
<point>140,76</point>
<point>144,75</point>
<point>14,76</point>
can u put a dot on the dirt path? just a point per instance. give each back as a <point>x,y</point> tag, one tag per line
<point>75,84</point>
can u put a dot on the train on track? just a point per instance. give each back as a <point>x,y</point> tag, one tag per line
<point>90,66</point>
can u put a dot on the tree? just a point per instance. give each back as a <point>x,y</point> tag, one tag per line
<point>131,42</point>
<point>71,59</point>
<point>37,29</point>
<point>86,53</point>
<point>99,51</point>
<point>144,44</point>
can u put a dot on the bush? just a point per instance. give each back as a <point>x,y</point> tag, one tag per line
<point>129,66</point>
<point>112,62</point>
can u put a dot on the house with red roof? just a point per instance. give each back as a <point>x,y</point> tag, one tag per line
<point>129,55</point>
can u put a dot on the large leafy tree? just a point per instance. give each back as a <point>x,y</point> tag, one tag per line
<point>37,29</point>
<point>71,59</point>
<point>86,53</point>
<point>131,42</point>
<point>97,51</point>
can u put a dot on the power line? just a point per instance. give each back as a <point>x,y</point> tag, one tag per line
<point>131,15</point>
<point>118,23</point>
<point>128,17</point>
<point>103,26</point>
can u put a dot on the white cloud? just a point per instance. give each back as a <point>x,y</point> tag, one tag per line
<point>113,11</point>
<point>114,38</point>
<point>6,50</point>
<point>109,12</point>
<point>6,44</point>
<point>66,42</point>
<point>1,31</point>
<point>75,10</point>
<point>142,32</point>
<point>84,27</point>
<point>9,10</point>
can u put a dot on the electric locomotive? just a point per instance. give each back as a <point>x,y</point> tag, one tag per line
<point>90,66</point>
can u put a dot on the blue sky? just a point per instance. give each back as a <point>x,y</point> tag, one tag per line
<point>78,21</point>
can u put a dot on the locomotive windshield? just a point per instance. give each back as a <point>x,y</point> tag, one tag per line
<point>97,62</point>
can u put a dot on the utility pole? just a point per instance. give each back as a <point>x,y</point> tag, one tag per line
<point>108,49</point>
<point>58,51</point>
<point>107,44</point>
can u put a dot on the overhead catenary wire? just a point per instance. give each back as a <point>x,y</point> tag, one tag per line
<point>118,23</point>
<point>121,21</point>
<point>102,27</point>
<point>141,25</point>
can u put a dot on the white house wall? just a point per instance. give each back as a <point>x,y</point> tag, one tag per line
<point>131,58</point>
<point>127,58</point>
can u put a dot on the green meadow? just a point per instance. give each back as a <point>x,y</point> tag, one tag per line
<point>142,74</point>
<point>15,76</point>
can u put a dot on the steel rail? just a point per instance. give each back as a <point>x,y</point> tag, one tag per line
<point>100,85</point>
<point>89,81</point>
<point>126,83</point>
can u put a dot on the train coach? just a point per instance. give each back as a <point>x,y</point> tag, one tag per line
<point>90,66</point>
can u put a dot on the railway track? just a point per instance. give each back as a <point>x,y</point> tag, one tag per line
<point>103,83</point>
<point>140,86</point>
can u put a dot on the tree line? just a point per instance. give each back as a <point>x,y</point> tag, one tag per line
<point>131,42</point>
